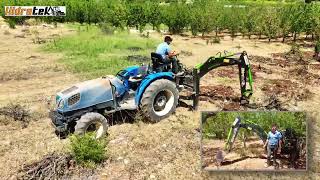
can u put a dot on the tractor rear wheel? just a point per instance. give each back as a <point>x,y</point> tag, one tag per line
<point>92,122</point>
<point>159,100</point>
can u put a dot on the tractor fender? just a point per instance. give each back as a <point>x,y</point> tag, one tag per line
<point>148,80</point>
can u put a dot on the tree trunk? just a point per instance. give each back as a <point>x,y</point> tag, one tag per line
<point>216,32</point>
<point>294,36</point>
<point>260,34</point>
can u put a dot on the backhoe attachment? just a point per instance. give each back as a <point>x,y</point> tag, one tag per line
<point>234,130</point>
<point>245,76</point>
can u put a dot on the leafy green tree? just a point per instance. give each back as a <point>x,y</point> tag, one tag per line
<point>259,23</point>
<point>234,20</point>
<point>250,20</point>
<point>271,23</point>
<point>153,13</point>
<point>218,17</point>
<point>136,16</point>
<point>202,19</point>
<point>315,21</point>
<point>284,24</point>
<point>117,15</point>
<point>176,17</point>
<point>297,20</point>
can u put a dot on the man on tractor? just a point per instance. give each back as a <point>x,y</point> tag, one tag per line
<point>273,144</point>
<point>167,54</point>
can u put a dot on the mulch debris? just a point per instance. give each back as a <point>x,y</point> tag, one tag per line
<point>52,166</point>
<point>16,112</point>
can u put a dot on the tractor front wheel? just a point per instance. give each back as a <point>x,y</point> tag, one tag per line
<point>159,100</point>
<point>92,122</point>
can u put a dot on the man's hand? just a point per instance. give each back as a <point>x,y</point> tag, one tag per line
<point>265,144</point>
<point>173,53</point>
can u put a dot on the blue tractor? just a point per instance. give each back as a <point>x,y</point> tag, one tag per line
<point>153,90</point>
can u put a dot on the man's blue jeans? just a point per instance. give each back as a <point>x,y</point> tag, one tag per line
<point>272,150</point>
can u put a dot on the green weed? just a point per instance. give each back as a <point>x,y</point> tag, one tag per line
<point>87,150</point>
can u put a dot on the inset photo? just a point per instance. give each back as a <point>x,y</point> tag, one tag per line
<point>254,141</point>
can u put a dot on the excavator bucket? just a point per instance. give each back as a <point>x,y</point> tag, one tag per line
<point>233,132</point>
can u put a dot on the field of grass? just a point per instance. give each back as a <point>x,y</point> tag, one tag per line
<point>91,53</point>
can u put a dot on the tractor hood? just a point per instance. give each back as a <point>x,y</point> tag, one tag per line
<point>86,94</point>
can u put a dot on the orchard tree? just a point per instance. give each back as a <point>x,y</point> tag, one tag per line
<point>201,19</point>
<point>136,16</point>
<point>271,23</point>
<point>176,17</point>
<point>315,21</point>
<point>259,23</point>
<point>153,13</point>
<point>234,20</point>
<point>297,20</point>
<point>251,20</point>
<point>284,22</point>
<point>217,17</point>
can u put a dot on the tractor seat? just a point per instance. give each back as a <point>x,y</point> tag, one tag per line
<point>159,64</point>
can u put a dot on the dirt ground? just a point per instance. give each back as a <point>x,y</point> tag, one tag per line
<point>169,149</point>
<point>249,157</point>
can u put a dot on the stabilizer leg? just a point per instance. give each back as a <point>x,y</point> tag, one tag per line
<point>196,89</point>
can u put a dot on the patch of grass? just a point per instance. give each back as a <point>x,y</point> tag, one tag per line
<point>32,22</point>
<point>91,53</point>
<point>107,28</point>
<point>87,150</point>
<point>11,23</point>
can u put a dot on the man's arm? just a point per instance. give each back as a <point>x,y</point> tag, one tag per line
<point>266,143</point>
<point>170,52</point>
<point>280,143</point>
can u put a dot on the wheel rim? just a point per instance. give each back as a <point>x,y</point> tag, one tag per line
<point>97,128</point>
<point>163,102</point>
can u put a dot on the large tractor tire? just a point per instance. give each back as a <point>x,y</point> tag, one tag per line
<point>159,100</point>
<point>92,122</point>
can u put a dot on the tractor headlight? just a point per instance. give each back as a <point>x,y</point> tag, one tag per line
<point>60,104</point>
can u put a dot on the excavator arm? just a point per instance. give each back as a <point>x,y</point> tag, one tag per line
<point>245,76</point>
<point>234,130</point>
